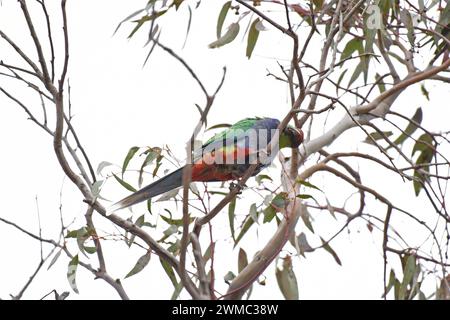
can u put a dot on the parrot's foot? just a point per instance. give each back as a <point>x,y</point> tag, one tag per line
<point>234,186</point>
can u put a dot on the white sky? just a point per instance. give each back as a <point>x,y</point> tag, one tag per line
<point>117,104</point>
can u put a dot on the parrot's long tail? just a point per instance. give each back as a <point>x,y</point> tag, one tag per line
<point>169,182</point>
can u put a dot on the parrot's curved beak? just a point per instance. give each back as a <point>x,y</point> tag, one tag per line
<point>295,135</point>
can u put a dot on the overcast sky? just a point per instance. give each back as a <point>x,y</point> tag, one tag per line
<point>118,103</point>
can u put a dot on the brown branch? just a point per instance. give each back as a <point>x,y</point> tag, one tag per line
<point>37,43</point>
<point>50,37</point>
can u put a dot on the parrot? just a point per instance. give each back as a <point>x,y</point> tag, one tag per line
<point>224,157</point>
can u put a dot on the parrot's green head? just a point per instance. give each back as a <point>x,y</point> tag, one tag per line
<point>291,137</point>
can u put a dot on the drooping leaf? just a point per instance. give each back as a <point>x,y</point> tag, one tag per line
<point>90,250</point>
<point>424,143</point>
<point>158,165</point>
<point>248,222</point>
<point>125,184</point>
<point>144,19</point>
<point>72,273</point>
<point>380,84</point>
<point>353,45</point>
<point>302,244</point>
<point>221,19</point>
<point>151,156</point>
<point>139,222</point>
<point>176,222</point>
<point>425,92</point>
<point>261,177</point>
<point>253,213</point>
<point>169,271</point>
<point>307,184</point>
<point>338,83</point>
<point>253,35</point>
<point>140,264</point>
<point>328,248</point>
<point>277,204</point>
<point>408,273</point>
<point>102,165</point>
<point>229,36</point>
<point>242,260</point>
<point>406,19</point>
<point>377,136</point>
<point>411,128</point>
<point>391,282</point>
<point>129,156</point>
<point>287,281</point>
<point>425,157</point>
<point>54,259</point>
<point>96,187</point>
<point>358,70</point>
<point>306,217</point>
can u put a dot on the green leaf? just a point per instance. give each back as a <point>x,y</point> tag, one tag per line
<point>231,216</point>
<point>302,245</point>
<point>307,184</point>
<point>262,177</point>
<point>72,273</point>
<point>144,19</point>
<point>408,273</point>
<point>287,281</point>
<point>425,157</point>
<point>253,35</point>
<point>124,184</point>
<point>377,136</point>
<point>151,156</point>
<point>304,196</point>
<point>406,19</point>
<point>229,277</point>
<point>409,130</point>
<point>269,214</point>
<point>177,3</point>
<point>380,84</point>
<point>169,271</point>
<point>358,70</point>
<point>246,226</point>
<point>253,213</point>
<point>139,222</point>
<point>391,282</point>
<point>158,164</point>
<point>353,45</point>
<point>425,92</point>
<point>129,156</point>
<point>307,220</point>
<point>229,36</point>
<point>424,143</point>
<point>221,19</point>
<point>176,222</point>
<point>140,264</point>
<point>328,248</point>
<point>242,260</point>
<point>90,250</point>
<point>149,206</point>
<point>341,76</point>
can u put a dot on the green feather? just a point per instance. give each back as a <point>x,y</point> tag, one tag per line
<point>234,130</point>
